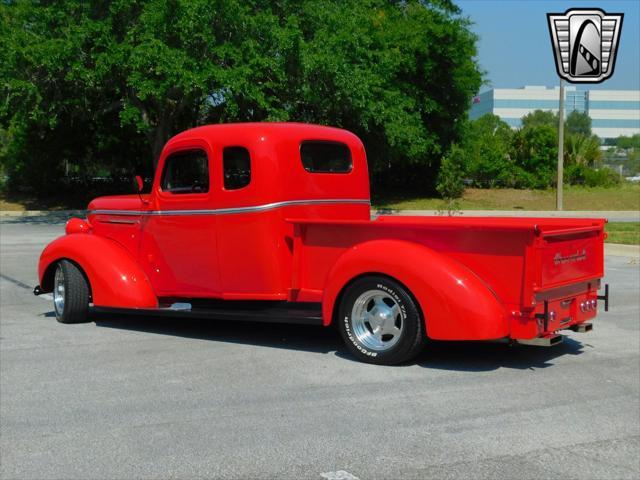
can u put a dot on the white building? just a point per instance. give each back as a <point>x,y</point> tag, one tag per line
<point>613,112</point>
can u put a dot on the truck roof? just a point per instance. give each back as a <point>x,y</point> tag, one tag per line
<point>277,170</point>
<point>266,131</point>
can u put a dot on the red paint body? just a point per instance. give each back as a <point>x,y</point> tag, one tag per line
<point>292,235</point>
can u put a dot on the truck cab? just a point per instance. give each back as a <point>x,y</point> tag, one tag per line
<point>215,224</point>
<point>271,222</point>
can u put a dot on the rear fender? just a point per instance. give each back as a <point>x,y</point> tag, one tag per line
<point>115,279</point>
<point>456,304</point>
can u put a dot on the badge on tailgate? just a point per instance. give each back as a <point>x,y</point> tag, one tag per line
<point>565,260</point>
<point>579,256</point>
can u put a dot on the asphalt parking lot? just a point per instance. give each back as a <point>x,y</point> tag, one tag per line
<point>157,398</point>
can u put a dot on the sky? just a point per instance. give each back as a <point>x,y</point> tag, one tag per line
<point>514,47</point>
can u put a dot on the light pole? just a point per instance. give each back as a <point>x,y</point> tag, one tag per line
<point>560,148</point>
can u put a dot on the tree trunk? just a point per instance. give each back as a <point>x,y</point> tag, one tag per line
<point>158,134</point>
<point>159,138</point>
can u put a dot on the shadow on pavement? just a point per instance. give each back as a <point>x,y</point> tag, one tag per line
<point>454,356</point>
<point>486,356</point>
<point>293,337</point>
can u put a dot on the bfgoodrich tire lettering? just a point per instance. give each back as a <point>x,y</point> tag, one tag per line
<point>380,322</point>
<point>70,293</point>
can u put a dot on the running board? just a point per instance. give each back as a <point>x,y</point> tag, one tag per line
<point>304,313</point>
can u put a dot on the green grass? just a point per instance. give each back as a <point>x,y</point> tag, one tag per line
<point>626,233</point>
<point>624,197</point>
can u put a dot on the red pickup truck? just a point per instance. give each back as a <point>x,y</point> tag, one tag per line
<point>271,222</point>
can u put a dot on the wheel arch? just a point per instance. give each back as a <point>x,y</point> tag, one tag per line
<point>47,277</point>
<point>115,279</point>
<point>340,295</point>
<point>455,304</point>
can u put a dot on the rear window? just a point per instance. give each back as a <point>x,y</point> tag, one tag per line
<point>186,172</point>
<point>237,167</point>
<point>325,157</point>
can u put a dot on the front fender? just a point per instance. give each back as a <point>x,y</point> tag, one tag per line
<point>456,304</point>
<point>116,280</point>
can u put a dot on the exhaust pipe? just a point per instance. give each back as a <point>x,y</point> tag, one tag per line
<point>582,327</point>
<point>546,341</point>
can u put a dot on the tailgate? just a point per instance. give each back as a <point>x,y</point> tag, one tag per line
<point>571,255</point>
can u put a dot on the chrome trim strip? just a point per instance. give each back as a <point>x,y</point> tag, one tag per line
<point>229,211</point>
<point>119,221</point>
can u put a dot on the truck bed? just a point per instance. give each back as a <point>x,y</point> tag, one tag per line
<point>523,261</point>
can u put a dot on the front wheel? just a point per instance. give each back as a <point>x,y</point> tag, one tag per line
<point>380,322</point>
<point>70,293</point>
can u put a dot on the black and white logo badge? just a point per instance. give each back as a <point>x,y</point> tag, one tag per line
<point>585,43</point>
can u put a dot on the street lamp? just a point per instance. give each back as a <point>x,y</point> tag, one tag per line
<point>560,148</point>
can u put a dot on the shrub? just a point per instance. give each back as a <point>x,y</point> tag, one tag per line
<point>450,183</point>
<point>591,177</point>
<point>603,177</point>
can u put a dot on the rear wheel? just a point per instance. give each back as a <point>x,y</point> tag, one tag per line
<point>380,322</point>
<point>70,293</point>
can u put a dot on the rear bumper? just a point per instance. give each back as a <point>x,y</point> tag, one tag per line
<point>552,339</point>
<point>553,314</point>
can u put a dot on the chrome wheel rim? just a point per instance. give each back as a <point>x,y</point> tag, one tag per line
<point>58,291</point>
<point>377,320</point>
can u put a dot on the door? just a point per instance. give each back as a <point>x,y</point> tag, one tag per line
<point>178,247</point>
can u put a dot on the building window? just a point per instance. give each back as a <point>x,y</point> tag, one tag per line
<point>237,167</point>
<point>186,172</point>
<point>325,157</point>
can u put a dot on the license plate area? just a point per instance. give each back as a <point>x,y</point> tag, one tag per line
<point>560,314</point>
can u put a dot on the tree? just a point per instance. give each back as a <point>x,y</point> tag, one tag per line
<point>584,150</point>
<point>535,150</point>
<point>486,144</point>
<point>624,142</point>
<point>540,117</point>
<point>451,175</point>
<point>578,123</point>
<point>628,148</point>
<point>100,86</point>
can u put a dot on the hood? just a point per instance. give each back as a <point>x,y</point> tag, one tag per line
<point>117,202</point>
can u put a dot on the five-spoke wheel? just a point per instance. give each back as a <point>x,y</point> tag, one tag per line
<point>377,321</point>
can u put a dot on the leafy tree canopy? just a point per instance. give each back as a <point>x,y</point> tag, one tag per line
<point>540,117</point>
<point>95,86</point>
<point>486,145</point>
<point>578,123</point>
<point>492,154</point>
<point>628,142</point>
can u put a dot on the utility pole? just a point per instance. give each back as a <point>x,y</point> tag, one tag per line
<point>560,180</point>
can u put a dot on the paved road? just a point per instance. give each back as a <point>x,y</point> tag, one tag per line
<point>611,215</point>
<point>145,398</point>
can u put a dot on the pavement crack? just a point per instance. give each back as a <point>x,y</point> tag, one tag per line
<point>15,282</point>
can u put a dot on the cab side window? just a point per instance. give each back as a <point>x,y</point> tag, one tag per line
<point>186,172</point>
<point>325,157</point>
<point>236,164</point>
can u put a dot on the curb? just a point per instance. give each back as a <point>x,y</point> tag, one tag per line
<point>632,215</point>
<point>39,213</point>
<point>610,249</point>
<point>620,250</point>
<point>612,215</point>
